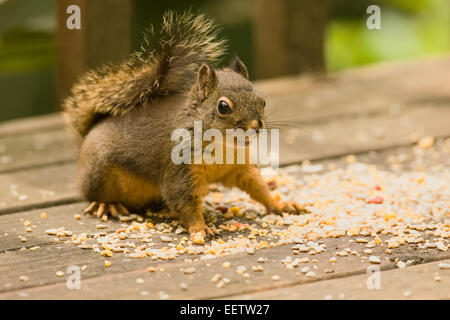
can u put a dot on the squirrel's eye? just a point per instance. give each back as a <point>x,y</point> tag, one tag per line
<point>224,106</point>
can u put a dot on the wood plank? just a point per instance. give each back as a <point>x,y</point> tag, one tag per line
<point>46,185</point>
<point>416,282</point>
<point>62,215</point>
<point>12,226</point>
<point>400,78</point>
<point>331,128</point>
<point>36,149</point>
<point>402,74</point>
<point>353,112</point>
<point>362,134</point>
<point>99,282</point>
<point>30,125</point>
<point>38,187</point>
<point>323,137</point>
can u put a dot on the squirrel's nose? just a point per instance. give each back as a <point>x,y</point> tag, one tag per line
<point>261,123</point>
<point>253,124</point>
<point>256,124</point>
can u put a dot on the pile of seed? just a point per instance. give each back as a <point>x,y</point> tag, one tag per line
<point>407,205</point>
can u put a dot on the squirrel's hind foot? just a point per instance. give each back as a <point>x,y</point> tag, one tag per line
<point>290,208</point>
<point>102,210</point>
<point>201,233</point>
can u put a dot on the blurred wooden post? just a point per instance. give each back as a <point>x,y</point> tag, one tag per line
<point>289,37</point>
<point>105,36</point>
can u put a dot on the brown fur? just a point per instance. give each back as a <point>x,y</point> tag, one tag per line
<point>186,42</point>
<point>127,158</point>
<point>135,192</point>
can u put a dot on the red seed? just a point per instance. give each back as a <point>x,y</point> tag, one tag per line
<point>377,187</point>
<point>377,199</point>
<point>222,209</point>
<point>240,226</point>
<point>272,185</point>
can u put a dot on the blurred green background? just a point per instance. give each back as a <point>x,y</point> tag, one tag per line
<point>410,29</point>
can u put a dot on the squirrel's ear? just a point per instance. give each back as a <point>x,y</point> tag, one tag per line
<point>239,67</point>
<point>206,80</point>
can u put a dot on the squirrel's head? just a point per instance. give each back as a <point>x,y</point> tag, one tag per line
<point>226,99</point>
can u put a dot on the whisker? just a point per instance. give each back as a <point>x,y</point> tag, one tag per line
<point>285,127</point>
<point>297,124</point>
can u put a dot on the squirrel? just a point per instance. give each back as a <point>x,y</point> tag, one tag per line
<point>125,115</point>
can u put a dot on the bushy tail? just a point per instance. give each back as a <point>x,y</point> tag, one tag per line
<point>185,43</point>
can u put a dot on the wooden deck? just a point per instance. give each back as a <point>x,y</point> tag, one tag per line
<point>378,108</point>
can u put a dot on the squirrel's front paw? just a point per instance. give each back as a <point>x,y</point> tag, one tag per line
<point>201,232</point>
<point>102,210</point>
<point>288,207</point>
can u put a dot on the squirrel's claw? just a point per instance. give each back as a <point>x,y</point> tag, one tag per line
<point>102,210</point>
<point>113,210</point>
<point>123,210</point>
<point>210,233</point>
<point>290,208</point>
<point>200,233</point>
<point>91,208</point>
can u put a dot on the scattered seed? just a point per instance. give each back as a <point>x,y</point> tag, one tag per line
<point>374,259</point>
<point>216,278</point>
<point>166,238</point>
<point>258,268</point>
<point>305,269</point>
<point>197,238</point>
<point>24,278</point>
<point>183,286</point>
<point>444,265</point>
<point>52,231</point>
<point>241,269</point>
<point>426,142</point>
<point>189,271</point>
<point>261,260</point>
